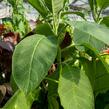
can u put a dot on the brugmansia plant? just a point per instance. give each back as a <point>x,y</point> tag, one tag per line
<point>63,65</point>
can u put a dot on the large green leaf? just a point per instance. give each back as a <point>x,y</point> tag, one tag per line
<point>81,37</point>
<point>102,76</point>
<point>97,53</point>
<point>97,31</point>
<point>31,61</point>
<point>98,71</point>
<point>75,90</point>
<point>18,101</point>
<point>39,6</point>
<point>101,79</point>
<point>103,3</point>
<point>98,76</point>
<point>89,68</point>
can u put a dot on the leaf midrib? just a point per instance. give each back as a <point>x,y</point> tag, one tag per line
<point>32,56</point>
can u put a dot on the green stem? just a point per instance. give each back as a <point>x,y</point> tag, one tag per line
<point>94,66</point>
<point>55,24</point>
<point>50,79</point>
<point>59,60</point>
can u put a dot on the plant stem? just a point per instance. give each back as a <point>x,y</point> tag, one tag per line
<point>59,60</point>
<point>50,79</point>
<point>55,24</point>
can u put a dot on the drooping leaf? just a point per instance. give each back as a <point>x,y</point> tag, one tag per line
<point>75,90</point>
<point>101,78</point>
<point>97,53</point>
<point>39,6</point>
<point>89,68</point>
<point>31,61</point>
<point>97,31</point>
<point>97,71</point>
<point>81,37</point>
<point>98,75</point>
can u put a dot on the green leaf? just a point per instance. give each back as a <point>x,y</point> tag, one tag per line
<point>32,59</point>
<point>98,76</point>
<point>105,21</point>
<point>89,68</point>
<point>18,101</point>
<point>97,31</point>
<point>98,71</point>
<point>48,4</point>
<point>53,103</point>
<point>103,3</point>
<point>53,90</point>
<point>101,79</point>
<point>39,6</point>
<point>97,53</point>
<point>52,85</point>
<point>91,4</point>
<point>44,29</point>
<point>81,37</point>
<point>72,12</point>
<point>55,5</point>
<point>75,90</point>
